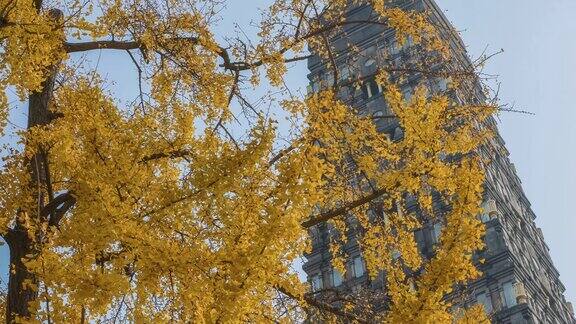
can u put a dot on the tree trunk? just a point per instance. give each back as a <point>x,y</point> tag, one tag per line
<point>26,238</point>
<point>19,296</point>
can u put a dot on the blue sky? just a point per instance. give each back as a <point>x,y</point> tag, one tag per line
<point>538,74</point>
<point>537,71</point>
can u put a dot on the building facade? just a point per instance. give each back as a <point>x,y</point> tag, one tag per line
<point>519,283</point>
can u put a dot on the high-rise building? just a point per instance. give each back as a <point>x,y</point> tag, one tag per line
<point>519,282</point>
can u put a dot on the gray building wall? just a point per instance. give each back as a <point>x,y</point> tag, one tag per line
<point>519,282</point>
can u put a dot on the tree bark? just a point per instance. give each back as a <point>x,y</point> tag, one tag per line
<point>25,239</point>
<point>19,296</point>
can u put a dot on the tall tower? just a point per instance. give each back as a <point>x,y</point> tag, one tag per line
<point>519,282</point>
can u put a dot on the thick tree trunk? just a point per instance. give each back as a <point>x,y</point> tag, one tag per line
<point>26,238</point>
<point>20,293</point>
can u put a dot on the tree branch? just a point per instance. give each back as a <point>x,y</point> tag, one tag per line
<point>281,154</point>
<point>172,154</point>
<point>342,210</point>
<point>104,44</point>
<point>60,212</point>
<point>54,203</point>
<point>58,207</point>
<point>310,300</point>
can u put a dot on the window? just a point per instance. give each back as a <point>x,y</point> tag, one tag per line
<point>358,267</point>
<point>407,92</point>
<point>484,300</point>
<point>369,63</point>
<point>368,90</point>
<point>419,238</point>
<point>491,239</point>
<point>317,282</point>
<point>398,133</point>
<point>315,87</point>
<point>393,48</point>
<point>371,88</point>
<point>336,278</point>
<point>436,231</point>
<point>343,92</point>
<point>441,84</point>
<point>317,82</point>
<point>344,73</point>
<point>509,294</point>
<point>369,52</point>
<point>329,79</point>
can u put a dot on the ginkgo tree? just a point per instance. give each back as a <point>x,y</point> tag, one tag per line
<point>157,211</point>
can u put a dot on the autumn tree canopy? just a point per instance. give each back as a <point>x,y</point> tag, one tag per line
<point>189,204</point>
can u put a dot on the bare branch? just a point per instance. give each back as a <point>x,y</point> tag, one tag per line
<point>310,300</point>
<point>342,210</point>
<point>281,154</point>
<point>58,207</point>
<point>141,95</point>
<point>60,212</point>
<point>172,154</point>
<point>105,44</point>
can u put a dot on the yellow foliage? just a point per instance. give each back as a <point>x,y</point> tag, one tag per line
<point>173,218</point>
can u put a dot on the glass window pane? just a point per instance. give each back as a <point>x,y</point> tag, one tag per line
<point>367,90</point>
<point>344,73</point>
<point>358,267</point>
<point>436,231</point>
<point>336,278</point>
<point>509,294</point>
<point>484,300</point>
<point>374,87</point>
<point>369,62</point>
<point>316,282</point>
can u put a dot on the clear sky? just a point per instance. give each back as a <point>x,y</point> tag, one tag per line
<point>538,74</point>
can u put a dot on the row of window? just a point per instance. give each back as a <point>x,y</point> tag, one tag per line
<point>489,211</point>
<point>352,69</point>
<point>510,292</point>
<point>355,269</point>
<point>508,297</point>
<point>517,233</point>
<point>370,88</point>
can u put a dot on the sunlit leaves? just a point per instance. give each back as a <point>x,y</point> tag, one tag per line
<point>176,218</point>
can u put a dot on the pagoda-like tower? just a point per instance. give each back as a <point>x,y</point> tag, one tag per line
<point>519,283</point>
